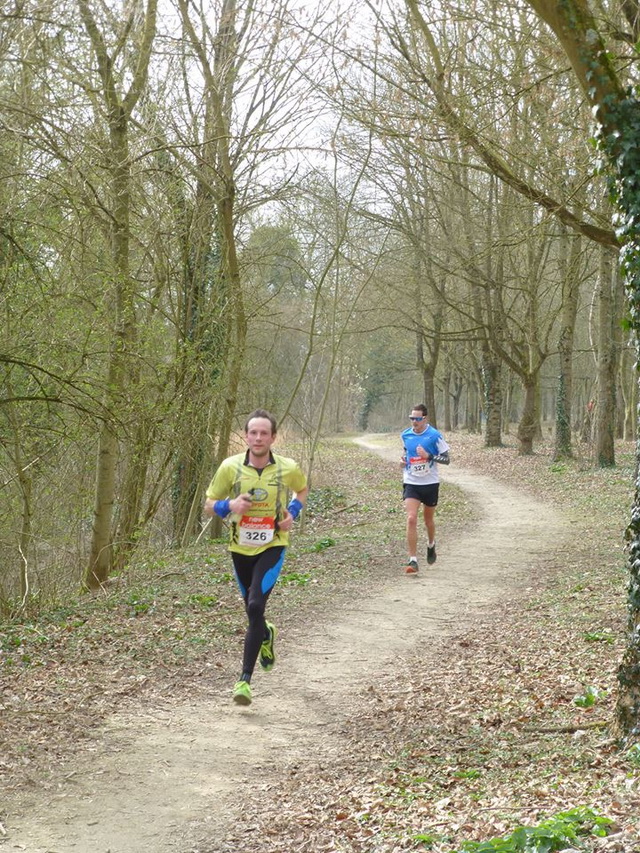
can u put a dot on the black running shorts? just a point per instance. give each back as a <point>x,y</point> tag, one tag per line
<point>428,494</point>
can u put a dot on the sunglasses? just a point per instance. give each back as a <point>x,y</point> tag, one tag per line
<point>411,418</point>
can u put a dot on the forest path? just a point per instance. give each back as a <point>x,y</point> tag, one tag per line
<point>159,779</point>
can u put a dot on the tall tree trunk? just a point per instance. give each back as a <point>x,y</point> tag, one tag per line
<point>225,67</point>
<point>492,381</point>
<point>508,405</point>
<point>483,299</point>
<point>570,271</point>
<point>447,402</point>
<point>101,556</point>
<point>491,361</point>
<point>203,340</point>
<point>472,411</point>
<point>617,113</point>
<point>628,388</point>
<point>491,370</point>
<point>619,310</point>
<point>606,398</point>
<point>530,418</point>
<point>458,389</point>
<point>120,376</point>
<point>425,366</point>
<point>429,392</point>
<point>427,348</point>
<point>219,186</point>
<point>26,491</point>
<point>238,326</point>
<point>130,519</point>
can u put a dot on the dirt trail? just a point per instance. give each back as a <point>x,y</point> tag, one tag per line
<point>159,780</point>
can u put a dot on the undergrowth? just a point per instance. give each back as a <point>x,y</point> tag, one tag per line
<point>495,735</point>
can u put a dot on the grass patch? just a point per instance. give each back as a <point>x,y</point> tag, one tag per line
<point>474,740</point>
<point>559,832</point>
<point>477,739</point>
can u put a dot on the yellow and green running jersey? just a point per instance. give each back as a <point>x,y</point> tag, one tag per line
<point>270,489</point>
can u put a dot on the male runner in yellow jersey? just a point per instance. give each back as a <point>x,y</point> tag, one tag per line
<point>253,488</point>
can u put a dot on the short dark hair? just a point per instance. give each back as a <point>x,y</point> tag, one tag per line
<point>262,413</point>
<point>420,408</point>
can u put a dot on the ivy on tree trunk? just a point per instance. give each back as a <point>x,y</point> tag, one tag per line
<point>620,143</point>
<point>617,111</point>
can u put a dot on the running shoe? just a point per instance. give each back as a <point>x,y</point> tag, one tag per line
<point>431,554</point>
<point>242,693</point>
<point>412,567</point>
<point>267,653</point>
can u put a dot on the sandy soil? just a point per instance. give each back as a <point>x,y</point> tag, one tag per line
<point>171,778</point>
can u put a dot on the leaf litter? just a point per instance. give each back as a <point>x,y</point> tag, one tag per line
<point>477,735</point>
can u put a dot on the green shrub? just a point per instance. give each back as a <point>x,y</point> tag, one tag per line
<point>557,833</point>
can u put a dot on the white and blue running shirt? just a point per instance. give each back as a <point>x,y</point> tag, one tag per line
<point>418,471</point>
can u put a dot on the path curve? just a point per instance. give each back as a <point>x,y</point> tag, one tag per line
<point>160,779</point>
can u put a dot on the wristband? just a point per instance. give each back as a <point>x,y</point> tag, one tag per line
<point>222,508</point>
<point>443,458</point>
<point>295,508</point>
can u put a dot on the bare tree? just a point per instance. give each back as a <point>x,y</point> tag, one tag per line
<point>574,24</point>
<point>569,269</point>
<point>119,105</point>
